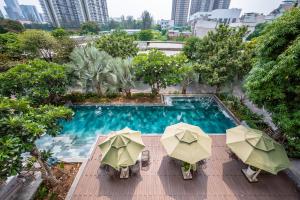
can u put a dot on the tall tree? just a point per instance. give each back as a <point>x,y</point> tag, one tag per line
<point>8,25</point>
<point>147,20</point>
<point>37,43</point>
<point>221,55</point>
<point>184,70</point>
<point>40,81</point>
<point>92,70</point>
<point>274,81</point>
<point>154,69</point>
<point>145,35</point>
<point>89,28</point>
<point>21,125</point>
<point>118,44</point>
<point>123,71</point>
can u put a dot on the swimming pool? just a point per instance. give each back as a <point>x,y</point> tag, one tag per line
<point>90,121</point>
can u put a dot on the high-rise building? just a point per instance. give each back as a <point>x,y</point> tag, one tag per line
<point>201,6</point>
<point>30,13</point>
<point>221,4</point>
<point>1,14</point>
<point>180,12</point>
<point>71,13</point>
<point>13,9</point>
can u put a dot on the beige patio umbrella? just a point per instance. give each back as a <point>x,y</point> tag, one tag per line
<point>257,149</point>
<point>186,143</point>
<point>121,148</point>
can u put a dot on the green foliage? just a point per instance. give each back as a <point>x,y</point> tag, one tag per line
<point>38,43</point>
<point>155,69</point>
<point>123,71</point>
<point>220,56</point>
<point>258,30</point>
<point>10,45</point>
<point>63,50</point>
<point>93,70</point>
<point>126,23</point>
<point>42,193</point>
<point>61,165</point>
<point>185,72</point>
<point>118,44</point>
<point>146,35</point>
<point>20,125</point>
<point>274,80</point>
<point>190,47</point>
<point>59,33</point>
<point>40,81</point>
<point>146,20</point>
<point>77,97</point>
<point>89,28</point>
<point>187,166</point>
<point>8,25</point>
<point>242,112</point>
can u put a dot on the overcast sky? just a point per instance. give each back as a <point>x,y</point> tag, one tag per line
<point>161,9</point>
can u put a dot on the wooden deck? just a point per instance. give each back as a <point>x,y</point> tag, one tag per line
<point>222,179</point>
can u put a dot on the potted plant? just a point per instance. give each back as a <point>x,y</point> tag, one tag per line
<point>186,171</point>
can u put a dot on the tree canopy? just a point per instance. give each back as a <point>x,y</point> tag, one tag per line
<point>8,25</point>
<point>154,69</point>
<point>258,30</point>
<point>221,56</point>
<point>118,44</point>
<point>145,35</point>
<point>38,43</point>
<point>147,20</point>
<point>20,125</point>
<point>274,81</point>
<point>89,28</point>
<point>39,81</point>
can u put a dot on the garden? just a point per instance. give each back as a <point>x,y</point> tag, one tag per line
<point>42,71</point>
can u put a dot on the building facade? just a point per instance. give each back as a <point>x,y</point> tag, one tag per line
<point>180,12</point>
<point>221,4</point>
<point>201,6</point>
<point>72,13</point>
<point>203,22</point>
<point>1,14</point>
<point>30,13</point>
<point>166,24</point>
<point>13,9</point>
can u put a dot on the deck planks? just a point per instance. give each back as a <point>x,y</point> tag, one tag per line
<point>221,180</point>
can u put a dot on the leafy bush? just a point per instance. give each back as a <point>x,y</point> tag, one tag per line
<point>274,82</point>
<point>118,44</point>
<point>40,81</point>
<point>242,112</point>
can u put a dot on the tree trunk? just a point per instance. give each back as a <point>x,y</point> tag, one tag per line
<point>183,90</point>
<point>127,92</point>
<point>45,169</point>
<point>218,89</point>
<point>98,88</point>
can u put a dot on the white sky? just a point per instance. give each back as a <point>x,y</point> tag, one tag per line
<point>161,9</point>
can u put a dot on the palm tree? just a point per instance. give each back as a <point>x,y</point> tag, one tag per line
<point>124,73</point>
<point>93,69</point>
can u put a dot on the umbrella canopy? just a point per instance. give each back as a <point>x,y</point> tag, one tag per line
<point>122,148</point>
<point>186,142</point>
<point>257,149</point>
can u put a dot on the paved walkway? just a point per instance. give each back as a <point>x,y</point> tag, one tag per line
<point>222,179</point>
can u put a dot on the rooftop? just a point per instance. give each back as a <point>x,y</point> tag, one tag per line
<point>221,179</point>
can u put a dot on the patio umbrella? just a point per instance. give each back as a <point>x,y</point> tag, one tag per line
<point>186,143</point>
<point>257,149</point>
<point>122,148</point>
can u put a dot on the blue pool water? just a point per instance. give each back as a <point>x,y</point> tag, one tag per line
<point>79,134</point>
<point>200,111</point>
